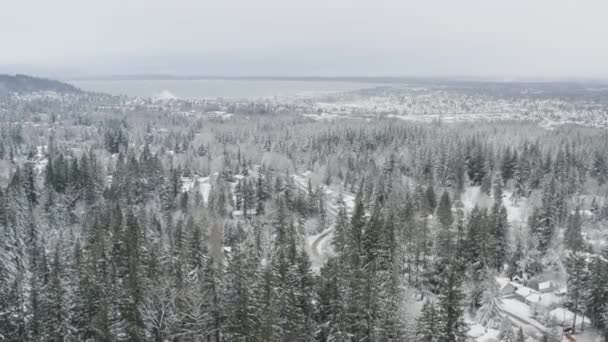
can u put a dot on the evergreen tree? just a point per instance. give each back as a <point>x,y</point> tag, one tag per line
<point>332,318</point>
<point>597,293</point>
<point>130,309</point>
<point>507,168</point>
<point>500,232</point>
<point>450,317</point>
<point>430,200</point>
<point>322,213</point>
<point>490,313</point>
<point>599,168</point>
<point>239,296</point>
<point>576,266</point>
<point>520,336</point>
<point>426,325</point>
<point>444,211</point>
<point>573,238</point>
<point>506,333</point>
<point>57,318</point>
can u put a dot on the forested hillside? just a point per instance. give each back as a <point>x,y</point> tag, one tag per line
<point>125,220</point>
<point>26,84</point>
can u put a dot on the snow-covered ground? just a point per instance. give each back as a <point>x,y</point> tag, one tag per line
<point>203,183</point>
<point>481,334</point>
<point>517,211</point>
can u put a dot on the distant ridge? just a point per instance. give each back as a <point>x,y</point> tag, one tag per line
<point>27,84</point>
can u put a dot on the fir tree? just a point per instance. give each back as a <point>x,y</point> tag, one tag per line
<point>500,232</point>
<point>520,336</point>
<point>576,266</point>
<point>426,325</point>
<point>490,313</point>
<point>506,333</point>
<point>450,318</point>
<point>444,211</point>
<point>573,238</point>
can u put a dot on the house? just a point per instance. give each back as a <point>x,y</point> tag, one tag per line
<point>547,286</point>
<point>523,292</point>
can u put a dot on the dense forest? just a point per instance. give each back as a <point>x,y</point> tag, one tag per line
<point>127,223</point>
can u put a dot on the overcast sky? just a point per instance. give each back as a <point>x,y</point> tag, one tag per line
<point>481,38</point>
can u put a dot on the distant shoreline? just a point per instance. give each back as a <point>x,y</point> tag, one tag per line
<point>358,79</point>
<point>161,77</point>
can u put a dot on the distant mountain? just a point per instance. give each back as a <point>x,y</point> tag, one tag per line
<point>26,84</point>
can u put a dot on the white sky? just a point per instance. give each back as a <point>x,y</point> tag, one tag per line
<point>503,38</point>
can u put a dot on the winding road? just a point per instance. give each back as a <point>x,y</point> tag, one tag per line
<point>318,245</point>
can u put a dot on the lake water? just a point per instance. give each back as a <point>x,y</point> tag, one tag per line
<point>207,88</point>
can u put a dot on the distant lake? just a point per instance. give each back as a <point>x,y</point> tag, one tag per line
<point>209,88</point>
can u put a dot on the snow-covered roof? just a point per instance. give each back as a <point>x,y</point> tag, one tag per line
<point>544,299</point>
<point>545,285</point>
<point>525,291</point>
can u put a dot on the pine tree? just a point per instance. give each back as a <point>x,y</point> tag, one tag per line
<point>332,314</point>
<point>597,293</point>
<point>573,238</point>
<point>267,327</point>
<point>30,181</point>
<point>576,266</point>
<point>430,200</point>
<point>131,308</point>
<point>515,259</point>
<point>488,174</point>
<point>311,199</point>
<point>452,327</point>
<point>341,238</point>
<point>426,325</point>
<point>508,165</point>
<point>239,295</point>
<point>356,284</point>
<point>497,189</point>
<point>490,313</point>
<point>599,169</point>
<point>211,286</point>
<point>522,175</point>
<point>322,213</point>
<point>56,320</point>
<point>444,211</point>
<point>543,221</point>
<point>500,232</point>
<point>260,193</point>
<point>479,240</point>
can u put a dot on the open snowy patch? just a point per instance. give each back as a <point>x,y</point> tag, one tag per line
<point>480,334</point>
<point>202,183</point>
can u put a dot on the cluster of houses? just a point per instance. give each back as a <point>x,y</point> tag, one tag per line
<point>547,297</point>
